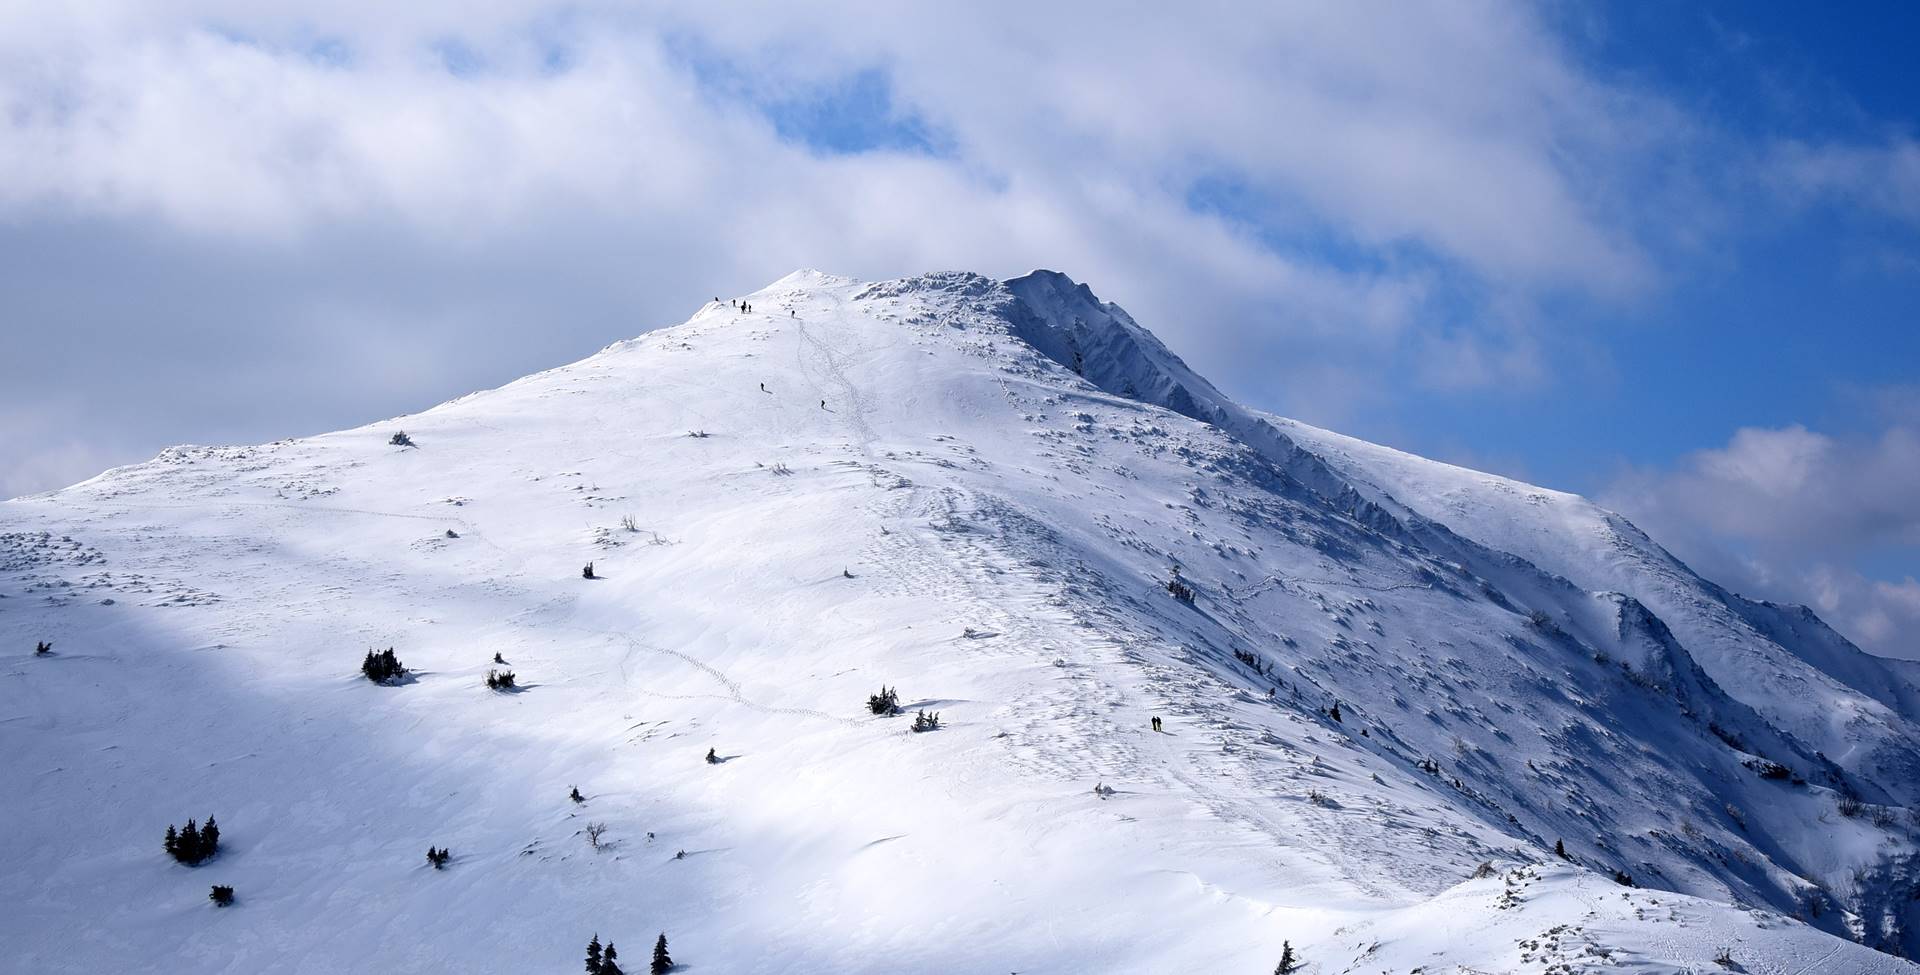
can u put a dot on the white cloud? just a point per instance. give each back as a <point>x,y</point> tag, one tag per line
<point>1462,132</point>
<point>1791,486</point>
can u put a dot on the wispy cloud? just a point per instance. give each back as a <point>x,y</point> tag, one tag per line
<point>1881,178</point>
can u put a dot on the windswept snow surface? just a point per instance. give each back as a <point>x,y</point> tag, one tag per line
<point>976,492</point>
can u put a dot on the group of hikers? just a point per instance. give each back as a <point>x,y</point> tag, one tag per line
<point>741,306</point>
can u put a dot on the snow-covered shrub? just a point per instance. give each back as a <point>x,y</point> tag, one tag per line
<point>382,667</point>
<point>886,703</point>
<point>1539,620</point>
<point>221,895</point>
<point>400,439</point>
<point>438,857</point>
<point>594,832</point>
<point>924,721</point>
<point>1180,590</point>
<point>1851,806</point>
<point>42,648</point>
<point>499,680</point>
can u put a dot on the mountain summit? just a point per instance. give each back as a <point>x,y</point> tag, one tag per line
<point>1182,685</point>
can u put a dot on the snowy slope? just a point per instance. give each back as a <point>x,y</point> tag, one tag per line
<point>1783,661</point>
<point>972,490</point>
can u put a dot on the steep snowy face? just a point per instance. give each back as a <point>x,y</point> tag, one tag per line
<point>1006,501</point>
<point>1102,344</point>
<point>1099,342</point>
<point>1845,704</point>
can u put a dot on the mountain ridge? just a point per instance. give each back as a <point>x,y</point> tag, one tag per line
<point>940,483</point>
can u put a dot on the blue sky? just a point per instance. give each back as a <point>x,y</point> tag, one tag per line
<point>1663,254</point>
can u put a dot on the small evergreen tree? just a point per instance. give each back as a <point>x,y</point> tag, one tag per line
<point>587,572</point>
<point>1287,964</point>
<point>574,794</point>
<point>594,961</point>
<point>886,703</point>
<point>609,963</point>
<point>41,648</point>
<point>1560,850</point>
<point>194,843</point>
<point>924,721</point>
<point>221,895</point>
<point>1334,712</point>
<point>400,439</point>
<point>662,962</point>
<point>500,680</point>
<point>713,757</point>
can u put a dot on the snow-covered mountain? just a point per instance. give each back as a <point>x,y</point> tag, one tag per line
<point>1395,688</point>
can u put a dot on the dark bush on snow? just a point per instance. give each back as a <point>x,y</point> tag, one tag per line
<point>382,667</point>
